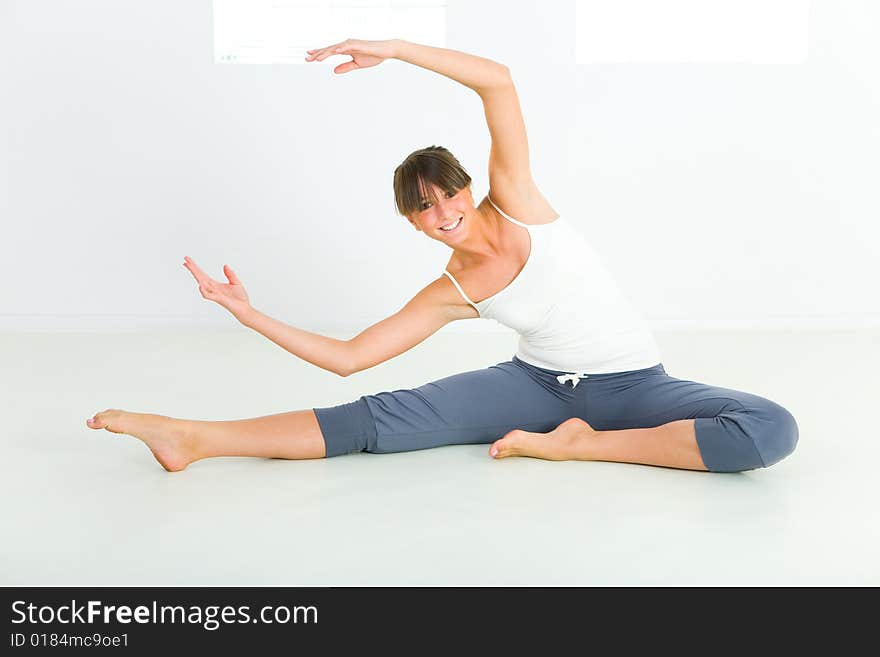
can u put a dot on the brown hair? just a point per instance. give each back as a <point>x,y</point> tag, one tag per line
<point>431,165</point>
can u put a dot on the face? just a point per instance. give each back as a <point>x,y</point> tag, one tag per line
<point>445,213</point>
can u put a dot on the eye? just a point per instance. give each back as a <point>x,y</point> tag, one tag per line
<point>448,194</point>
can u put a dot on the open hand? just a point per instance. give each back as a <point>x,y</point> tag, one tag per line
<point>231,296</point>
<point>363,53</point>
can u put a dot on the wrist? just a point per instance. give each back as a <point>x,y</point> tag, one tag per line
<point>397,46</point>
<point>247,317</point>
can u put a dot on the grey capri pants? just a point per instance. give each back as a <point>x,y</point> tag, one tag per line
<point>735,430</point>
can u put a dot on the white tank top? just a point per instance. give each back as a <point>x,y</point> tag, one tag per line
<point>568,310</point>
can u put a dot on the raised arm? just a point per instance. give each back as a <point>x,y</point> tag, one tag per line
<point>509,169</point>
<point>474,72</point>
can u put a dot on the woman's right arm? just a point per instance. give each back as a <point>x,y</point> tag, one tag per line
<point>426,313</point>
<point>327,353</point>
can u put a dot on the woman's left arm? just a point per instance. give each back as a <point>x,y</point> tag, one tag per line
<point>474,72</point>
<point>477,73</point>
<point>509,172</point>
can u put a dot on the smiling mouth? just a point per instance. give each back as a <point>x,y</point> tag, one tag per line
<point>453,226</point>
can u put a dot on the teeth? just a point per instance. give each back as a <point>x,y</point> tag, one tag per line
<point>451,226</point>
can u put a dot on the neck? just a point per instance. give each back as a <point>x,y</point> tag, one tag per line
<point>483,242</point>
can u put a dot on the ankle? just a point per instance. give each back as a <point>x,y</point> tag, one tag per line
<point>573,439</point>
<point>187,437</point>
<point>586,442</point>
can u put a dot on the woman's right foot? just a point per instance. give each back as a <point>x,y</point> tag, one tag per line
<point>166,437</point>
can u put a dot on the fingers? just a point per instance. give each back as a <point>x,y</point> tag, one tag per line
<point>194,269</point>
<point>231,275</point>
<point>320,54</point>
<point>345,68</point>
<point>324,53</point>
<point>197,273</point>
<point>206,283</point>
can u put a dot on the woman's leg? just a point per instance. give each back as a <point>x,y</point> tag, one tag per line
<point>463,409</point>
<point>649,417</point>
<point>466,408</point>
<point>177,443</point>
<point>673,445</point>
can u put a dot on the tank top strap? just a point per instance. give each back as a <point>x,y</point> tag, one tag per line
<point>458,287</point>
<point>507,216</point>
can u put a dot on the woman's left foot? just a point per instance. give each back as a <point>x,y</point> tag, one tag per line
<point>566,442</point>
<point>166,437</point>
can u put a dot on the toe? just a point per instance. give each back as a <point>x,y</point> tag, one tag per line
<point>102,420</point>
<point>503,446</point>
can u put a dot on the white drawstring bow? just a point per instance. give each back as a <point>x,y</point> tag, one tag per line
<point>574,377</point>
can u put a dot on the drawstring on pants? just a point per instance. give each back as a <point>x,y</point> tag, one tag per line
<point>574,377</point>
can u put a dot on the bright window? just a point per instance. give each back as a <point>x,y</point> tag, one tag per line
<point>692,31</point>
<point>280,31</point>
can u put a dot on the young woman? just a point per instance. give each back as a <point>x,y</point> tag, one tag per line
<point>586,381</point>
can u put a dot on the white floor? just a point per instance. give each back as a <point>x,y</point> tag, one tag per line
<point>83,507</point>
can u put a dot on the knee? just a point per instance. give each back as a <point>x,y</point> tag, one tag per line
<point>346,428</point>
<point>778,434</point>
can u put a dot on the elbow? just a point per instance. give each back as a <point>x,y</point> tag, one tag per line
<point>345,361</point>
<point>501,80</point>
<point>347,370</point>
<point>504,78</point>
<point>350,369</point>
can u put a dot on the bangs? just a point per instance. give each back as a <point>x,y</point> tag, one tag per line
<point>414,180</point>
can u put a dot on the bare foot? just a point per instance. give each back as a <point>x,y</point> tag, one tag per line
<point>166,437</point>
<point>565,442</point>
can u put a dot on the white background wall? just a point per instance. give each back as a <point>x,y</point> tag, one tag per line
<point>717,194</point>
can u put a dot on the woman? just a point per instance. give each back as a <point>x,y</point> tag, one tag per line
<point>586,382</point>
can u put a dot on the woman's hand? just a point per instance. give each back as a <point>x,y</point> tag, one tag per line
<point>231,296</point>
<point>364,54</point>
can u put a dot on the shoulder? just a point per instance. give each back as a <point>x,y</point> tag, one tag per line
<point>442,296</point>
<point>521,200</point>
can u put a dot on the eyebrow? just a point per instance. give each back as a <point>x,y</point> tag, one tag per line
<point>427,199</point>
